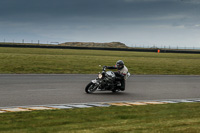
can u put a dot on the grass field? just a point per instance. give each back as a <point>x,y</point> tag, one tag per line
<point>181,117</point>
<point>58,61</point>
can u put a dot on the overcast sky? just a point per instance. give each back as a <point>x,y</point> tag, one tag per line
<point>133,22</point>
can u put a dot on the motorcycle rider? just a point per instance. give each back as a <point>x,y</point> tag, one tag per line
<point>122,74</point>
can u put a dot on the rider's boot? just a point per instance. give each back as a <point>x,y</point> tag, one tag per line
<point>122,85</point>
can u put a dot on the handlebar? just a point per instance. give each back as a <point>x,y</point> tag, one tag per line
<point>103,68</point>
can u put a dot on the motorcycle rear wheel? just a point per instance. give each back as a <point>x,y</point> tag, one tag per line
<point>115,90</point>
<point>90,88</point>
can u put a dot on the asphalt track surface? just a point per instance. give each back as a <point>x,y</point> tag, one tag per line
<point>42,89</point>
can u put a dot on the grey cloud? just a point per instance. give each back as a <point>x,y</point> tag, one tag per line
<point>191,1</point>
<point>147,0</point>
<point>103,18</point>
<point>48,10</point>
<point>98,11</point>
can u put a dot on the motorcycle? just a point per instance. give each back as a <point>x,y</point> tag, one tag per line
<point>105,81</point>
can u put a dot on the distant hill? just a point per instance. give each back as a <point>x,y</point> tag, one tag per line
<point>93,44</point>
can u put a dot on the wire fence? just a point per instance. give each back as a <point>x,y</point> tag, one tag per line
<point>28,42</point>
<point>132,46</point>
<point>166,47</point>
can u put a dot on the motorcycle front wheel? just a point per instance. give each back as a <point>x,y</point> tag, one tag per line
<point>91,87</point>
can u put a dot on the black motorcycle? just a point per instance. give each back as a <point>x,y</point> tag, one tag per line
<point>105,81</point>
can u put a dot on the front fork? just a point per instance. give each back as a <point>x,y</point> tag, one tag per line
<point>98,83</point>
<point>95,81</point>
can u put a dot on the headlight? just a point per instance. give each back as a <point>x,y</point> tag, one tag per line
<point>100,76</point>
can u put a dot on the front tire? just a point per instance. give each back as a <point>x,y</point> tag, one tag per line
<point>90,88</point>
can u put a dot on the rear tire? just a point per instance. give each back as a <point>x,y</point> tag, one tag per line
<point>115,90</point>
<point>90,88</point>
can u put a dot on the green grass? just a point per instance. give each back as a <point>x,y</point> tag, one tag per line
<point>58,61</point>
<point>181,117</point>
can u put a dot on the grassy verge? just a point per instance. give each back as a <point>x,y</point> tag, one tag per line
<point>36,60</point>
<point>181,117</point>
